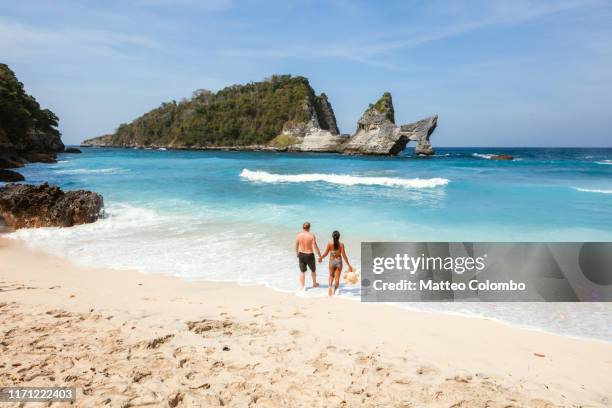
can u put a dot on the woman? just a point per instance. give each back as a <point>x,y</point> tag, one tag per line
<point>336,253</point>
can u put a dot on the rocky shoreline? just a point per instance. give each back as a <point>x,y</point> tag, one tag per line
<point>30,206</point>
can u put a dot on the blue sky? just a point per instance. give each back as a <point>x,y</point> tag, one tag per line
<point>499,73</point>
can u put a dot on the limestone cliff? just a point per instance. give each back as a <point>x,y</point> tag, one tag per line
<point>377,133</point>
<point>325,114</point>
<point>420,132</point>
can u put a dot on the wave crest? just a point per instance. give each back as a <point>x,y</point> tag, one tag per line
<point>344,179</point>
<point>593,190</point>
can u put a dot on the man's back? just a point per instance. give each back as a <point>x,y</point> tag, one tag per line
<point>305,240</point>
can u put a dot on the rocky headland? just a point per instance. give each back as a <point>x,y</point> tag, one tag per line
<point>28,206</point>
<point>28,133</point>
<point>282,113</point>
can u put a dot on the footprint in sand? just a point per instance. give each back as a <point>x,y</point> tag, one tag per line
<point>424,370</point>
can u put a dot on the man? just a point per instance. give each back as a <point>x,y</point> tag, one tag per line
<point>304,244</point>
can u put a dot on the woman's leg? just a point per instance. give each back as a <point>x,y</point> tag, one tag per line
<point>337,278</point>
<point>331,279</point>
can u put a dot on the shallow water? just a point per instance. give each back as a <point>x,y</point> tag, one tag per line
<point>232,216</point>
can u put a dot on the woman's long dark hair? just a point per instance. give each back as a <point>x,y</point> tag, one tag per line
<point>336,237</point>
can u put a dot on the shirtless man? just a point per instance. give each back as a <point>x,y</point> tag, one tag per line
<point>304,244</point>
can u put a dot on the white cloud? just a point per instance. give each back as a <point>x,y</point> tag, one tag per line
<point>465,19</point>
<point>20,39</point>
<point>200,4</point>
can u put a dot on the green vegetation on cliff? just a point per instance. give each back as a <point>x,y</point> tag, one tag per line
<point>238,115</point>
<point>385,105</point>
<point>20,113</point>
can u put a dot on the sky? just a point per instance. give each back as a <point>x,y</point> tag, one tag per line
<point>498,73</point>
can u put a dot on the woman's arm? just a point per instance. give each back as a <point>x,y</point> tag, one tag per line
<point>324,253</point>
<point>346,258</point>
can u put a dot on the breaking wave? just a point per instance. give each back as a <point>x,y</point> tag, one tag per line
<point>604,162</point>
<point>594,190</point>
<point>348,180</point>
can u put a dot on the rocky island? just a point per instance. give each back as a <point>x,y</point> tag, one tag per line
<point>282,113</point>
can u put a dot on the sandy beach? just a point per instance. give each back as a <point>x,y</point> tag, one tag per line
<point>128,339</point>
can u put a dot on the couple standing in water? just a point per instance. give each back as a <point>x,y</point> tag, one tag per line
<point>306,245</point>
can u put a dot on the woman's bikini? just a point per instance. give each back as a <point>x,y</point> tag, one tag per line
<point>335,257</point>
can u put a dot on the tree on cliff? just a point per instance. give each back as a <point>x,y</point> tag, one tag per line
<point>20,112</point>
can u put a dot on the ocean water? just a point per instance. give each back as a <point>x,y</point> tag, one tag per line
<point>232,216</point>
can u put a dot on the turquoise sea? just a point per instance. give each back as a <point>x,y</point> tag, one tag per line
<point>232,216</point>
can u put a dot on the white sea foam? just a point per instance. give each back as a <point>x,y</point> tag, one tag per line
<point>593,190</point>
<point>483,155</point>
<point>200,247</point>
<point>604,162</point>
<point>110,170</point>
<point>344,179</point>
<point>189,246</point>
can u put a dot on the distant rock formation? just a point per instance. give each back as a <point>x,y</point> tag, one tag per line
<point>502,157</point>
<point>28,206</point>
<point>72,150</point>
<point>376,134</point>
<point>103,141</point>
<point>420,132</point>
<point>282,113</point>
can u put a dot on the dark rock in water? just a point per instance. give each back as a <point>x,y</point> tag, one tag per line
<point>72,150</point>
<point>9,176</point>
<point>40,157</point>
<point>502,157</point>
<point>9,160</point>
<point>27,206</point>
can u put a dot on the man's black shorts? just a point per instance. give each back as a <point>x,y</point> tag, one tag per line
<point>307,260</point>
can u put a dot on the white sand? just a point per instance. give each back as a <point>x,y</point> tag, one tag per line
<point>128,339</point>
